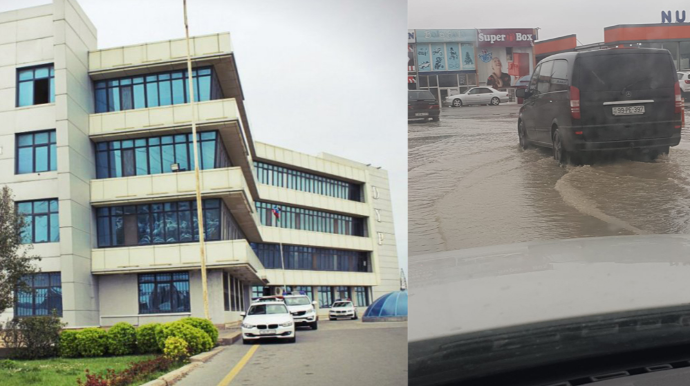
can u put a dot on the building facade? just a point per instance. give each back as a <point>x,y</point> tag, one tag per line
<point>451,61</point>
<point>97,148</point>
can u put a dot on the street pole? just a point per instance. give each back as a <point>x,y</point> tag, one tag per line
<point>282,260</point>
<point>199,207</point>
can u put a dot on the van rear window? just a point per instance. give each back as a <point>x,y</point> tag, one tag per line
<point>632,71</point>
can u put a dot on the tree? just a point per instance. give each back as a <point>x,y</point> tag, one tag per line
<point>15,262</point>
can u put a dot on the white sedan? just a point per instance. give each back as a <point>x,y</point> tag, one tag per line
<point>267,320</point>
<point>342,309</point>
<point>478,96</point>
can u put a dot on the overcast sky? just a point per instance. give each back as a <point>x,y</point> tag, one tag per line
<point>585,18</point>
<point>318,76</point>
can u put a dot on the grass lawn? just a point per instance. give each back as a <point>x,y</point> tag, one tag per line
<point>64,371</point>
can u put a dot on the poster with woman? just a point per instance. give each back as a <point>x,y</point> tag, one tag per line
<point>497,78</point>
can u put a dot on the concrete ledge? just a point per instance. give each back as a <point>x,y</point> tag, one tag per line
<point>230,339</point>
<point>173,376</point>
<point>205,356</point>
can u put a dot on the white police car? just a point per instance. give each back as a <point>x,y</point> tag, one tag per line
<point>303,310</point>
<point>268,319</point>
<point>342,309</point>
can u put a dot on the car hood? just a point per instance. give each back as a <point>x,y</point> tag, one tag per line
<point>342,309</point>
<point>479,289</point>
<point>305,307</point>
<point>267,319</point>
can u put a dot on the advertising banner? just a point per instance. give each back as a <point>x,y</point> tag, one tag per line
<point>437,57</point>
<point>505,38</point>
<point>423,58</point>
<point>410,36</point>
<point>453,56</point>
<point>410,57</point>
<point>445,35</point>
<point>493,68</point>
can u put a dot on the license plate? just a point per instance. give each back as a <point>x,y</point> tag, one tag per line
<point>267,332</point>
<point>421,114</point>
<point>628,110</point>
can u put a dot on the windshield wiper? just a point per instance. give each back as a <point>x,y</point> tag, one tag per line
<point>635,82</point>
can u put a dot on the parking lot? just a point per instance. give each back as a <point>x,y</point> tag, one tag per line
<point>343,352</point>
<point>472,186</point>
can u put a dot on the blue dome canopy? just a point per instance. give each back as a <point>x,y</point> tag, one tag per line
<point>391,307</point>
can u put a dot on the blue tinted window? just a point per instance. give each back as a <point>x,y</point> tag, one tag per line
<point>178,91</point>
<point>41,221</point>
<point>139,96</point>
<point>152,94</point>
<point>292,179</point>
<point>311,220</point>
<point>35,85</point>
<point>42,297</point>
<point>164,293</point>
<point>36,152</point>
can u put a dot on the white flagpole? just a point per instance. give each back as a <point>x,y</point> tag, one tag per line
<point>282,260</point>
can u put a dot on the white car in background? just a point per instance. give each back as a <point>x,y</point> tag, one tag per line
<point>684,80</point>
<point>342,309</point>
<point>303,310</point>
<point>478,96</point>
<point>267,320</point>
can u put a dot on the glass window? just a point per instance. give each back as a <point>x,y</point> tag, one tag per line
<point>257,291</point>
<point>448,80</point>
<point>559,76</point>
<point>43,295</point>
<point>41,221</point>
<point>172,222</point>
<point>36,152</point>
<point>311,258</point>
<point>544,77</point>
<point>362,296</point>
<point>164,293</point>
<point>325,297</point>
<point>35,85</point>
<point>303,219</point>
<point>162,89</point>
<point>533,80</point>
<point>292,179</point>
<point>149,157</point>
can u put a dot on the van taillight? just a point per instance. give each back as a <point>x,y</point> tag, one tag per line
<point>687,81</point>
<point>679,100</point>
<point>574,102</point>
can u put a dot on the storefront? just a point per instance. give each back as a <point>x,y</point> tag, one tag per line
<point>504,56</point>
<point>411,66</point>
<point>445,61</point>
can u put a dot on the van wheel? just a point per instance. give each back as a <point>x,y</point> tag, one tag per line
<point>522,136</point>
<point>559,153</point>
<point>495,101</point>
<point>457,103</point>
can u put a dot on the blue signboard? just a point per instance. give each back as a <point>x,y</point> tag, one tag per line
<point>438,60</point>
<point>467,53</point>
<point>423,58</point>
<point>453,55</point>
<point>445,35</point>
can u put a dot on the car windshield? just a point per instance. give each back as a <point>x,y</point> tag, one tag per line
<point>341,304</point>
<point>267,309</point>
<point>301,301</point>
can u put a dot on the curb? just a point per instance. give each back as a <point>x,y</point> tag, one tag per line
<point>227,341</point>
<point>172,377</point>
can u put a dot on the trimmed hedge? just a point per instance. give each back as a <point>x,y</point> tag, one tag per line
<point>92,342</point>
<point>146,338</point>
<point>196,338</point>
<point>176,349</point>
<point>68,344</point>
<point>205,325</point>
<point>122,339</point>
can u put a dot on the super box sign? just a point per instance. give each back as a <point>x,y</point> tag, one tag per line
<point>505,38</point>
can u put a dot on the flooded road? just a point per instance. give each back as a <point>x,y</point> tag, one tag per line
<point>470,185</point>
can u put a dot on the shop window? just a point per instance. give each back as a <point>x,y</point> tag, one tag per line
<point>448,80</point>
<point>433,81</point>
<point>423,81</point>
<point>35,85</point>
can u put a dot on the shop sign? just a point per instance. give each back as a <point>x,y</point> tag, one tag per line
<point>666,17</point>
<point>505,38</point>
<point>410,36</point>
<point>445,35</point>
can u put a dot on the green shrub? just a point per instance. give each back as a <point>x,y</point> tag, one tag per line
<point>8,364</point>
<point>122,339</point>
<point>68,344</point>
<point>34,337</point>
<point>204,325</point>
<point>92,342</point>
<point>146,338</point>
<point>197,339</point>
<point>176,349</point>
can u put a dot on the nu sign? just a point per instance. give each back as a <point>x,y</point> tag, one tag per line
<point>666,17</point>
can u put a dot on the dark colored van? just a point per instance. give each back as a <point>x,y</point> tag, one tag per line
<point>422,104</point>
<point>614,99</point>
